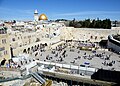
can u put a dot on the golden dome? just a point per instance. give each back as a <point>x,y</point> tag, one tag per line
<point>43,17</point>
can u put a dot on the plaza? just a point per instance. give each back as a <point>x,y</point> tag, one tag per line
<point>100,58</point>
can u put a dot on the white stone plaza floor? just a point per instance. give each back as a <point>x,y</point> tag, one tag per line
<point>81,57</point>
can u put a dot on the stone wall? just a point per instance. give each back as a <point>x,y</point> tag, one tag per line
<point>87,34</point>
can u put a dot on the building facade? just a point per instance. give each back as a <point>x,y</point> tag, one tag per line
<point>4,45</point>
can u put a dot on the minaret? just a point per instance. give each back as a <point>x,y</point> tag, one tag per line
<point>36,15</point>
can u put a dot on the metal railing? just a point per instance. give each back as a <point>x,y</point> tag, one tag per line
<point>38,78</point>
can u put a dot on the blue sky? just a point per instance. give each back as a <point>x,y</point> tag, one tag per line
<point>57,9</point>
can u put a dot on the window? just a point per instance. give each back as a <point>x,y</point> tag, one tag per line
<point>5,52</point>
<point>4,41</point>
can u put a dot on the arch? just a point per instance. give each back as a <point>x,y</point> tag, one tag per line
<point>3,61</point>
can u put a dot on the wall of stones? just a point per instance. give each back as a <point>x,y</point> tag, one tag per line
<point>83,34</point>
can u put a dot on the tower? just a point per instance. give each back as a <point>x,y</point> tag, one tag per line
<point>36,15</point>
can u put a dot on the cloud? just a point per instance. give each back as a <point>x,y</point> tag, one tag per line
<point>9,14</point>
<point>89,13</point>
<point>15,11</point>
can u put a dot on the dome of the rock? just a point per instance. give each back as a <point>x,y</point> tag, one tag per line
<point>43,17</point>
